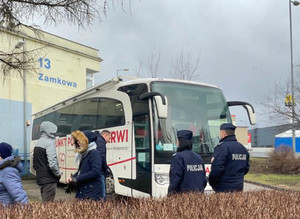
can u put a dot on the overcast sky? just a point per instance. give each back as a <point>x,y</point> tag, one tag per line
<point>243,45</point>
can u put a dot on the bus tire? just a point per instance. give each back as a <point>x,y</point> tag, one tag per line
<point>110,185</point>
<point>110,188</point>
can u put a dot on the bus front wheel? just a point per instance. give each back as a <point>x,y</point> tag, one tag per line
<point>110,185</point>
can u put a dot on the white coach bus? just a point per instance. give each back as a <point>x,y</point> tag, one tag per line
<point>143,116</point>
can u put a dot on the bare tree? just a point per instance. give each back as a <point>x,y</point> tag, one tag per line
<point>278,107</point>
<point>151,69</point>
<point>79,12</point>
<point>19,13</point>
<point>153,64</point>
<point>18,61</point>
<point>185,67</point>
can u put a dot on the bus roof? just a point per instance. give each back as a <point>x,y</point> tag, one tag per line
<point>149,80</point>
<point>120,80</point>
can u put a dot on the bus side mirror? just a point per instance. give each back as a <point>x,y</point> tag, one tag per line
<point>248,107</point>
<point>162,109</point>
<point>251,114</point>
<point>161,103</point>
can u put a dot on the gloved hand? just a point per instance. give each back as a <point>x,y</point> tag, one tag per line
<point>68,189</point>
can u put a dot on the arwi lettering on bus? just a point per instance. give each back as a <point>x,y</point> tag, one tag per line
<point>119,136</point>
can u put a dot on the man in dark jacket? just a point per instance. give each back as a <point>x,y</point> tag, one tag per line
<point>101,141</point>
<point>187,171</point>
<point>45,162</point>
<point>230,162</point>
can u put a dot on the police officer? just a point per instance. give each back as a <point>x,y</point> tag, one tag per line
<point>187,171</point>
<point>230,162</point>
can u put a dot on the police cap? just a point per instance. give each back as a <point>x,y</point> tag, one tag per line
<point>186,134</point>
<point>227,126</point>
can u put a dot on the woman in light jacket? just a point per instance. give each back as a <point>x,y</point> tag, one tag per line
<point>11,188</point>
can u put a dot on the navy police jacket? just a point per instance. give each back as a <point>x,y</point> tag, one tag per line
<point>88,176</point>
<point>187,172</point>
<point>229,165</point>
<point>101,147</point>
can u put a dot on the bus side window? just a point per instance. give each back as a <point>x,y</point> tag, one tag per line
<point>85,114</point>
<point>88,122</point>
<point>36,128</point>
<point>110,113</point>
<point>51,117</point>
<point>65,120</point>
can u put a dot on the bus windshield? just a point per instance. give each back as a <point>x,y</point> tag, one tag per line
<point>199,108</point>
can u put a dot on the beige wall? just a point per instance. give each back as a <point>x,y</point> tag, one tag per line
<point>242,134</point>
<point>64,61</point>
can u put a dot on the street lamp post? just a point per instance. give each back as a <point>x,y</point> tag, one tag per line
<point>22,43</point>
<point>295,3</point>
<point>124,69</point>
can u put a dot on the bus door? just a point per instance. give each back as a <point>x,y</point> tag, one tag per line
<point>142,184</point>
<point>115,114</point>
<point>141,165</point>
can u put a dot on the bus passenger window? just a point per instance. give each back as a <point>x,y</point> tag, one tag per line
<point>85,112</point>
<point>64,121</point>
<point>110,113</point>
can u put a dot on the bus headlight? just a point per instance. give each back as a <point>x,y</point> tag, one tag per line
<point>162,179</point>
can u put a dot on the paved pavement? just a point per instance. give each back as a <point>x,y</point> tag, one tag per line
<point>248,187</point>
<point>33,190</point>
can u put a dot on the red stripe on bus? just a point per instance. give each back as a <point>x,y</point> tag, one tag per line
<point>65,168</point>
<point>122,161</point>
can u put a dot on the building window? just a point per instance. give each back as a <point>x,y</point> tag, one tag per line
<point>89,80</point>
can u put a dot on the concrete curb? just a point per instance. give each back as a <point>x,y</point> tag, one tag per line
<point>267,186</point>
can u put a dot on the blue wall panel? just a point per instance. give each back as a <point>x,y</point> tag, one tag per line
<point>11,124</point>
<point>287,141</point>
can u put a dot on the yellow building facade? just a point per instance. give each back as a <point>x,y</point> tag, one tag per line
<point>62,68</point>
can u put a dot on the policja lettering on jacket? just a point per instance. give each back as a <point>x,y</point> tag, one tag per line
<point>194,167</point>
<point>239,156</point>
<point>187,167</point>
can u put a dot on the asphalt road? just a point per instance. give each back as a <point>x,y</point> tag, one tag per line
<point>33,190</point>
<point>260,152</point>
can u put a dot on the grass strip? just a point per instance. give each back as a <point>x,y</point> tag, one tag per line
<point>278,180</point>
